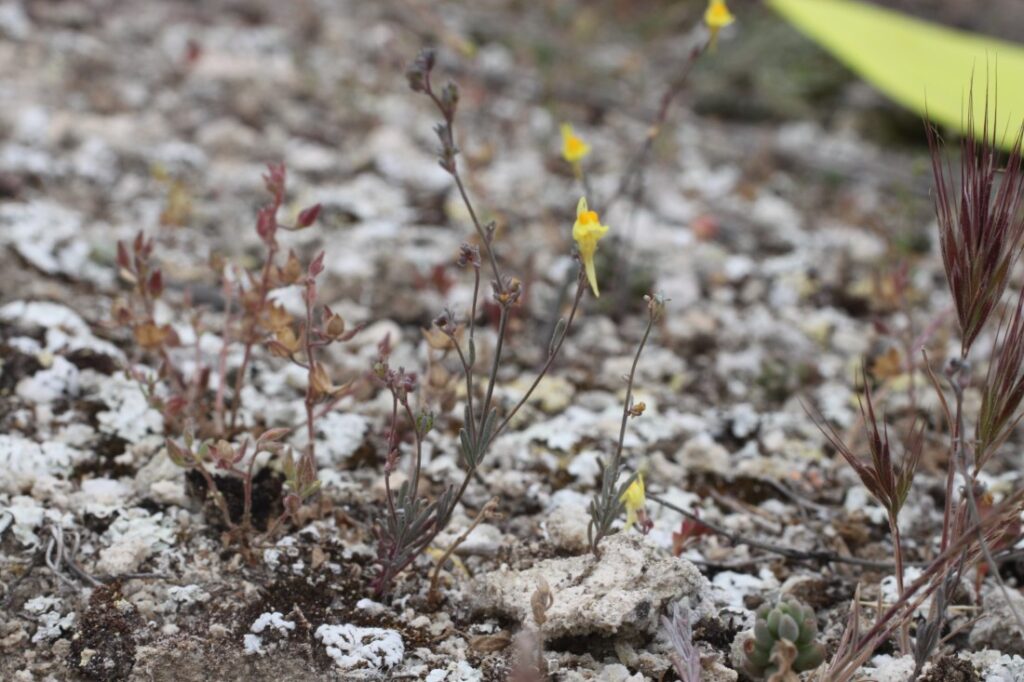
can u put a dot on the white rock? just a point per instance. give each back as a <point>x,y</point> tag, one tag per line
<point>272,557</point>
<point>485,539</point>
<point>886,668</point>
<point>187,595</point>
<point>667,521</point>
<point>585,467</point>
<point>226,137</point>
<point>170,493</point>
<point>616,672</point>
<point>342,434</point>
<point>14,23</point>
<point>997,627</point>
<point>455,672</point>
<point>730,588</point>
<point>46,315</point>
<point>745,420</point>
<point>370,606</point>
<point>97,161</point>
<point>996,666</point>
<point>60,380</point>
<point>133,538</point>
<point>738,267</point>
<point>24,462</point>
<point>702,453</point>
<point>129,415</point>
<point>37,605</point>
<point>565,522</point>
<point>178,157</point>
<point>859,500</point>
<point>103,491</point>
<point>356,648</point>
<point>32,124</point>
<point>274,620</point>
<point>252,644</point>
<point>368,197</point>
<point>51,624</point>
<point>46,234</point>
<point>401,160</point>
<point>306,157</point>
<point>24,514</point>
<point>624,592</point>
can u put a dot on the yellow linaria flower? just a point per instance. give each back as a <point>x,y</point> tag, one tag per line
<point>587,231</point>
<point>634,499</point>
<point>573,147</point>
<point>436,553</point>
<point>717,16</point>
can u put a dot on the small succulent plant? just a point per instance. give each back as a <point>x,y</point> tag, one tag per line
<point>783,640</point>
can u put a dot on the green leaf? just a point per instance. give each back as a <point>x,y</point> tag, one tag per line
<point>467,449</point>
<point>486,433</point>
<point>809,658</point>
<point>923,66</point>
<point>176,454</point>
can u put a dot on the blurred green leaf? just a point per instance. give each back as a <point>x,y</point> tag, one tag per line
<point>921,65</point>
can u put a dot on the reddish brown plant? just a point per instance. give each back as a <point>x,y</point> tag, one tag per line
<point>980,220</point>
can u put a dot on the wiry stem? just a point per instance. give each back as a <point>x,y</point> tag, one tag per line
<point>607,505</point>
<point>249,335</point>
<point>972,503</point>
<point>581,286</point>
<point>897,553</point>
<point>633,177</point>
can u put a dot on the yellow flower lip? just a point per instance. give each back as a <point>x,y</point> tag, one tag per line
<point>587,231</point>
<point>635,496</point>
<point>574,149</point>
<point>634,499</point>
<point>718,15</point>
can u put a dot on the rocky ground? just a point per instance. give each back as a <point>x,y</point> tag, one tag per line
<point>781,199</point>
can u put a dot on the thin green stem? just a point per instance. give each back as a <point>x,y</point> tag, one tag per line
<point>493,378</point>
<point>581,286</point>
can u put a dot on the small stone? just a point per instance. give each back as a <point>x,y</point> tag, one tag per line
<point>60,380</point>
<point>484,540</point>
<point>14,23</point>
<point>273,620</point>
<point>996,666</point>
<point>712,670</point>
<point>997,628</point>
<point>553,394</point>
<point>566,522</point>
<point>356,648</point>
<point>886,668</point>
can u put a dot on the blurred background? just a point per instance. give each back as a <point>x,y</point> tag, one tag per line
<point>152,115</point>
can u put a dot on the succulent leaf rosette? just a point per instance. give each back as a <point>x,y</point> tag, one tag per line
<point>783,638</point>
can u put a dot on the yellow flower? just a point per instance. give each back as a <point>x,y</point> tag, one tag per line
<point>717,16</point>
<point>587,231</point>
<point>573,147</point>
<point>634,499</point>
